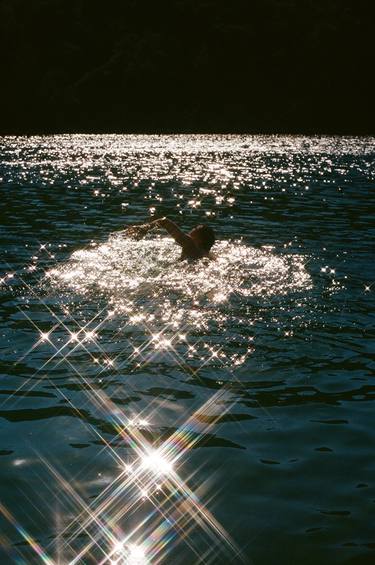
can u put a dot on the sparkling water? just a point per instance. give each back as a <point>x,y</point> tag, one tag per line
<point>154,410</point>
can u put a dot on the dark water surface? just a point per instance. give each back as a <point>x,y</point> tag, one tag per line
<point>156,411</point>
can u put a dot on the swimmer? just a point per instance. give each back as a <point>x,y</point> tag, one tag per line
<point>196,244</point>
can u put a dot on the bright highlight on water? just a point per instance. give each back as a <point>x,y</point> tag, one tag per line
<point>162,411</point>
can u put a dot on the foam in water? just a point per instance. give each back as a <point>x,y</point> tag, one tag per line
<point>145,281</point>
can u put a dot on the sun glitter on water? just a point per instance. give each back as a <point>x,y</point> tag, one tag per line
<point>128,554</point>
<point>168,299</point>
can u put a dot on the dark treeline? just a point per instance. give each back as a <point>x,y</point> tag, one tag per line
<point>186,65</point>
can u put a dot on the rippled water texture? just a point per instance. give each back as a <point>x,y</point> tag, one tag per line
<point>158,411</point>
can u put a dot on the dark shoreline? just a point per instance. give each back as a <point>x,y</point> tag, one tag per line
<point>327,133</point>
<point>184,66</point>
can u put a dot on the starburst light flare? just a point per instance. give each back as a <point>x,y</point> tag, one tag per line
<point>149,505</point>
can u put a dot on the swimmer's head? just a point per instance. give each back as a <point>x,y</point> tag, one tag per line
<point>203,236</point>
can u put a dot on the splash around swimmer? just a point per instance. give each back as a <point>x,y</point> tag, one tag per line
<point>195,244</point>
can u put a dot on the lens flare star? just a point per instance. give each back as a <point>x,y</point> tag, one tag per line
<point>146,503</point>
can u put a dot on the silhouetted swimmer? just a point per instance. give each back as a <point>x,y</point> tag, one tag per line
<point>195,244</point>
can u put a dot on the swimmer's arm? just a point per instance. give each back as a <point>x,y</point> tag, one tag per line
<point>178,235</point>
<point>139,231</point>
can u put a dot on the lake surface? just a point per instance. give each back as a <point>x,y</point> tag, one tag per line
<point>158,411</point>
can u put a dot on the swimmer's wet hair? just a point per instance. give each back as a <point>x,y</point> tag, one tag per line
<point>205,234</point>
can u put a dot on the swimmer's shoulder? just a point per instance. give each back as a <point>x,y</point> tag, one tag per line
<point>187,257</point>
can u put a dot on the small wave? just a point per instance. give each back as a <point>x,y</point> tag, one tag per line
<point>169,299</point>
<point>121,268</point>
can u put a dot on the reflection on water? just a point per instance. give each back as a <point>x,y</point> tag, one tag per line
<point>128,555</point>
<point>159,411</point>
<point>123,267</point>
<point>172,301</point>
